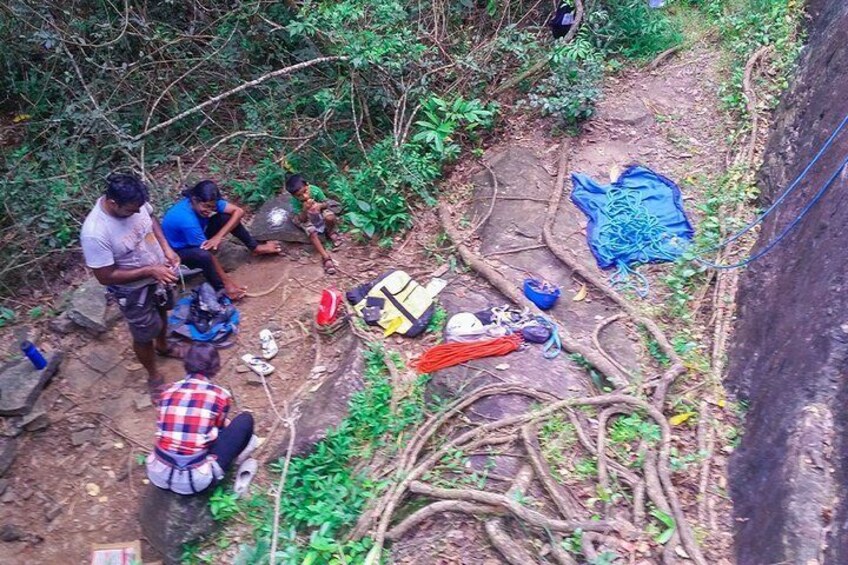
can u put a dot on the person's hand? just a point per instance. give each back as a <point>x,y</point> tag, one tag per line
<point>172,259</point>
<point>211,244</point>
<point>162,273</point>
<point>313,206</point>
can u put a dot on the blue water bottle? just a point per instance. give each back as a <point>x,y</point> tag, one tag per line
<point>34,355</point>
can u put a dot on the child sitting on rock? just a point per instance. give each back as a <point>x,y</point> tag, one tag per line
<point>315,214</point>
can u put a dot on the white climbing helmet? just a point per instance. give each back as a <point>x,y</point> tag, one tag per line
<point>464,322</point>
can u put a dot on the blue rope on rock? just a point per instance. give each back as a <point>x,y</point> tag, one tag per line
<point>789,190</point>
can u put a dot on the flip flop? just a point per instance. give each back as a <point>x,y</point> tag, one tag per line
<point>257,365</point>
<point>329,267</point>
<point>269,346</point>
<point>336,240</point>
<point>244,476</point>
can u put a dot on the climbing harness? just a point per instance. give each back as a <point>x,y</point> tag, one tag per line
<point>790,189</point>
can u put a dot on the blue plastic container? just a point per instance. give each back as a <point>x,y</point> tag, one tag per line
<point>540,295</point>
<point>34,355</point>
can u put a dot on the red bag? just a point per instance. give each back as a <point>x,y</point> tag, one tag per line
<point>330,307</point>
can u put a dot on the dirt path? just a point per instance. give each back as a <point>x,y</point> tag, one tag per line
<point>99,427</point>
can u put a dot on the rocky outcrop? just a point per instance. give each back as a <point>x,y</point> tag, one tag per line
<point>170,520</point>
<point>790,352</point>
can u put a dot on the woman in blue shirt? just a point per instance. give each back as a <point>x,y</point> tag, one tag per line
<point>197,224</point>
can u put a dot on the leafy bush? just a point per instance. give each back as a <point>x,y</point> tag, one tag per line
<point>570,92</point>
<point>633,29</point>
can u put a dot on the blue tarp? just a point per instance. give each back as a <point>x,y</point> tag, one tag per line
<point>637,219</point>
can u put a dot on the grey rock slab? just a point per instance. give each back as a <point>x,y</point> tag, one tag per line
<point>8,451</point>
<point>102,359</point>
<point>35,421</point>
<point>11,532</point>
<point>233,255</point>
<point>82,437</point>
<point>21,384</point>
<point>328,405</point>
<point>62,324</point>
<point>79,376</point>
<point>273,222</point>
<point>169,520</point>
<point>88,306</point>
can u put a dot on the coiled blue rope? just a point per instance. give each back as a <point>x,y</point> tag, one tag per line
<point>790,189</point>
<point>631,231</point>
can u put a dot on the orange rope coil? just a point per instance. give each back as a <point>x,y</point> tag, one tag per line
<point>447,355</point>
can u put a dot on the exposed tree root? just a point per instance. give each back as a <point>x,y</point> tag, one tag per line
<point>512,292</point>
<point>531,517</point>
<point>596,340</point>
<point>565,503</point>
<point>416,518</point>
<point>569,260</point>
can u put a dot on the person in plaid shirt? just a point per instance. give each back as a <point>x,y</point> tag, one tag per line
<point>196,443</point>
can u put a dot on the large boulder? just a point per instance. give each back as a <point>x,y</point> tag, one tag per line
<point>21,384</point>
<point>169,520</point>
<point>273,222</point>
<point>88,306</point>
<point>326,407</point>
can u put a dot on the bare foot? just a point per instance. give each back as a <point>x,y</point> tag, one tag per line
<point>268,248</point>
<point>234,291</point>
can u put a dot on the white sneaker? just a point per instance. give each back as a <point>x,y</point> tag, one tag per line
<point>257,365</point>
<point>269,346</point>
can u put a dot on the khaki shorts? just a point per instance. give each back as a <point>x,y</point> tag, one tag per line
<point>317,223</point>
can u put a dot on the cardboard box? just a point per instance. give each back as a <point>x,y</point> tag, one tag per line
<point>127,553</point>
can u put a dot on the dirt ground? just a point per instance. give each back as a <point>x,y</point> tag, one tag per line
<point>100,426</point>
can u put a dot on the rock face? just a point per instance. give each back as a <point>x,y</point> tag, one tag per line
<point>327,407</point>
<point>273,222</point>
<point>8,451</point>
<point>88,306</point>
<point>790,352</point>
<point>21,383</point>
<point>170,520</point>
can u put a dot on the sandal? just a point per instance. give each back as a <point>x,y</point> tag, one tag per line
<point>268,344</point>
<point>174,351</point>
<point>335,239</point>
<point>246,471</point>
<point>257,365</point>
<point>329,267</point>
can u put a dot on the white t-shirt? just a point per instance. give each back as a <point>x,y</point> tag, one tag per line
<point>128,243</point>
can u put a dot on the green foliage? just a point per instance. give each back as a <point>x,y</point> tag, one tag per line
<point>557,437</point>
<point>668,526</point>
<point>570,92</point>
<point>7,316</point>
<point>654,348</point>
<point>444,121</point>
<point>437,322</point>
<point>632,29</point>
<point>223,504</point>
<point>324,494</point>
<point>269,180</point>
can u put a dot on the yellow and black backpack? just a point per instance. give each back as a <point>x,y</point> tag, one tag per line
<point>395,302</point>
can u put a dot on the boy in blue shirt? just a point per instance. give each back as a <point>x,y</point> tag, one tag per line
<point>195,227</point>
<point>315,214</point>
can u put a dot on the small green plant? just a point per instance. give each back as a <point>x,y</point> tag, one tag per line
<point>574,542</point>
<point>447,120</point>
<point>585,468</point>
<point>668,525</point>
<point>223,504</point>
<point>7,316</point>
<point>654,348</point>
<point>437,322</point>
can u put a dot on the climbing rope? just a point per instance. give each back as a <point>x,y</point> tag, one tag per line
<point>789,190</point>
<point>632,231</point>
<point>447,355</point>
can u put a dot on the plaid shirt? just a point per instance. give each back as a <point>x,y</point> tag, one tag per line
<point>191,412</point>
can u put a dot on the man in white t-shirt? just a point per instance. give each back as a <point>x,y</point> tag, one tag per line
<point>124,246</point>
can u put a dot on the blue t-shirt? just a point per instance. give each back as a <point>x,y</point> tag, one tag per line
<point>183,227</point>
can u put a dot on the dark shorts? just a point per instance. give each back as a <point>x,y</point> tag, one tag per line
<point>144,309</point>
